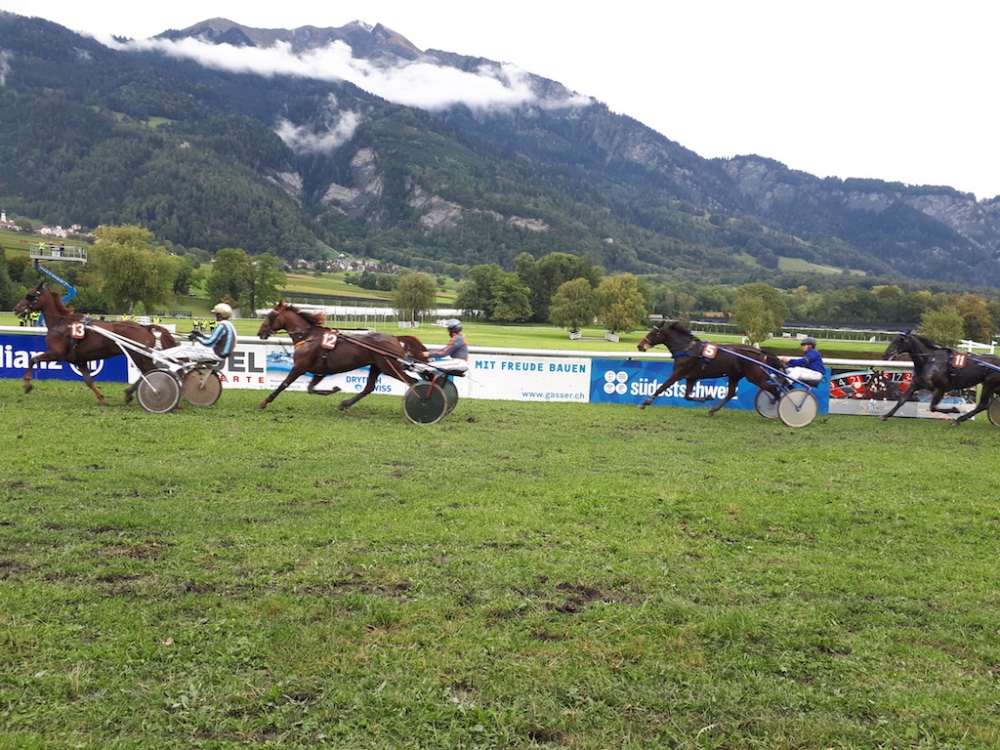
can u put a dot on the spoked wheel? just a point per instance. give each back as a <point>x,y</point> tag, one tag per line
<point>201,387</point>
<point>450,394</point>
<point>158,391</point>
<point>766,404</point>
<point>425,403</point>
<point>993,411</point>
<point>797,408</point>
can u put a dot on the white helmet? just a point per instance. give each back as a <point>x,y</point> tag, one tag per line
<point>453,324</point>
<point>223,309</point>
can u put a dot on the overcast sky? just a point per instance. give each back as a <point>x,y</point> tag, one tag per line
<point>890,89</point>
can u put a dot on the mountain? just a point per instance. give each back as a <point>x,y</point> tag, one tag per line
<point>193,136</point>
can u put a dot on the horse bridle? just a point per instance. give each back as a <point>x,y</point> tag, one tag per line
<point>32,298</point>
<point>271,317</point>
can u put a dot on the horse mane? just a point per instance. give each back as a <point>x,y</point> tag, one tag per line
<point>315,319</point>
<point>927,342</point>
<point>57,303</point>
<point>679,328</point>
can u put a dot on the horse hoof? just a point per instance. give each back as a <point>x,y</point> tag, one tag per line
<point>643,405</point>
<point>262,405</point>
<point>882,417</point>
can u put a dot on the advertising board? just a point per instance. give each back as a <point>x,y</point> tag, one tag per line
<point>490,376</point>
<point>16,350</point>
<point>632,381</point>
<point>869,392</point>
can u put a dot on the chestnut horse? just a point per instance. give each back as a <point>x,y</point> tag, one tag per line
<point>325,351</point>
<point>70,338</point>
<point>940,369</point>
<point>695,360</point>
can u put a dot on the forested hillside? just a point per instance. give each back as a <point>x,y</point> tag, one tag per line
<point>299,167</point>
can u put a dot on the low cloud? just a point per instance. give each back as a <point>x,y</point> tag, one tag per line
<point>422,83</point>
<point>305,140</point>
<point>4,67</point>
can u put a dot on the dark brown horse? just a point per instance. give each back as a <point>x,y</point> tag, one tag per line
<point>940,369</point>
<point>695,360</point>
<point>325,351</point>
<point>70,338</point>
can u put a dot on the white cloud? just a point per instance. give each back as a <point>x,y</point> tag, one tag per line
<point>422,83</point>
<point>302,140</point>
<point>4,67</point>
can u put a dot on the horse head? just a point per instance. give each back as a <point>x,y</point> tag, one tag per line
<point>899,345</point>
<point>271,322</point>
<point>32,301</point>
<point>654,337</point>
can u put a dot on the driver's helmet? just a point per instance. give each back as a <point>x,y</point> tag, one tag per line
<point>808,340</point>
<point>453,324</point>
<point>223,309</point>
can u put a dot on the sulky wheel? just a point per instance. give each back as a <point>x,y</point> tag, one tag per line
<point>766,404</point>
<point>450,394</point>
<point>158,391</point>
<point>424,403</point>
<point>797,408</point>
<point>993,411</point>
<point>201,386</point>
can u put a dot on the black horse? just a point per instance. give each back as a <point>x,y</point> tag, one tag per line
<point>940,369</point>
<point>695,359</point>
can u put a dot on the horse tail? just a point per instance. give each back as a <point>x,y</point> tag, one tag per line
<point>167,340</point>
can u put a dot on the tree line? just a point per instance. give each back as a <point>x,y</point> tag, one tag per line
<point>129,272</point>
<point>571,292</point>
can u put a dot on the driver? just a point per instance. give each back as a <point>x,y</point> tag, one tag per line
<point>213,348</point>
<point>456,348</point>
<point>808,368</point>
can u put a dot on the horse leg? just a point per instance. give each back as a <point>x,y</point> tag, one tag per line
<point>85,370</point>
<point>983,405</point>
<point>317,379</point>
<point>293,375</point>
<point>760,378</point>
<point>373,373</point>
<point>27,374</point>
<point>674,377</point>
<point>938,395</point>
<point>908,395</point>
<point>733,382</point>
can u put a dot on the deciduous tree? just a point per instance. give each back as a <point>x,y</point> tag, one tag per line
<point>621,303</point>
<point>944,326</point>
<point>415,294</point>
<point>511,303</point>
<point>754,318</point>
<point>574,305</point>
<point>132,270</point>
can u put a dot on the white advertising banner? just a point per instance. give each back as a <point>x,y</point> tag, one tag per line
<point>246,367</point>
<point>526,378</point>
<point>490,376</point>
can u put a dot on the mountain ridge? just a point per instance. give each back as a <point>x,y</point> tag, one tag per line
<point>323,163</point>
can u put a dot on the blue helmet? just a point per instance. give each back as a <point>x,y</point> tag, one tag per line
<point>453,324</point>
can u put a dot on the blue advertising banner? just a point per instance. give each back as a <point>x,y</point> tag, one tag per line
<point>16,351</point>
<point>632,381</point>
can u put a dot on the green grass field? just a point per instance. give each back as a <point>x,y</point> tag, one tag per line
<point>517,576</point>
